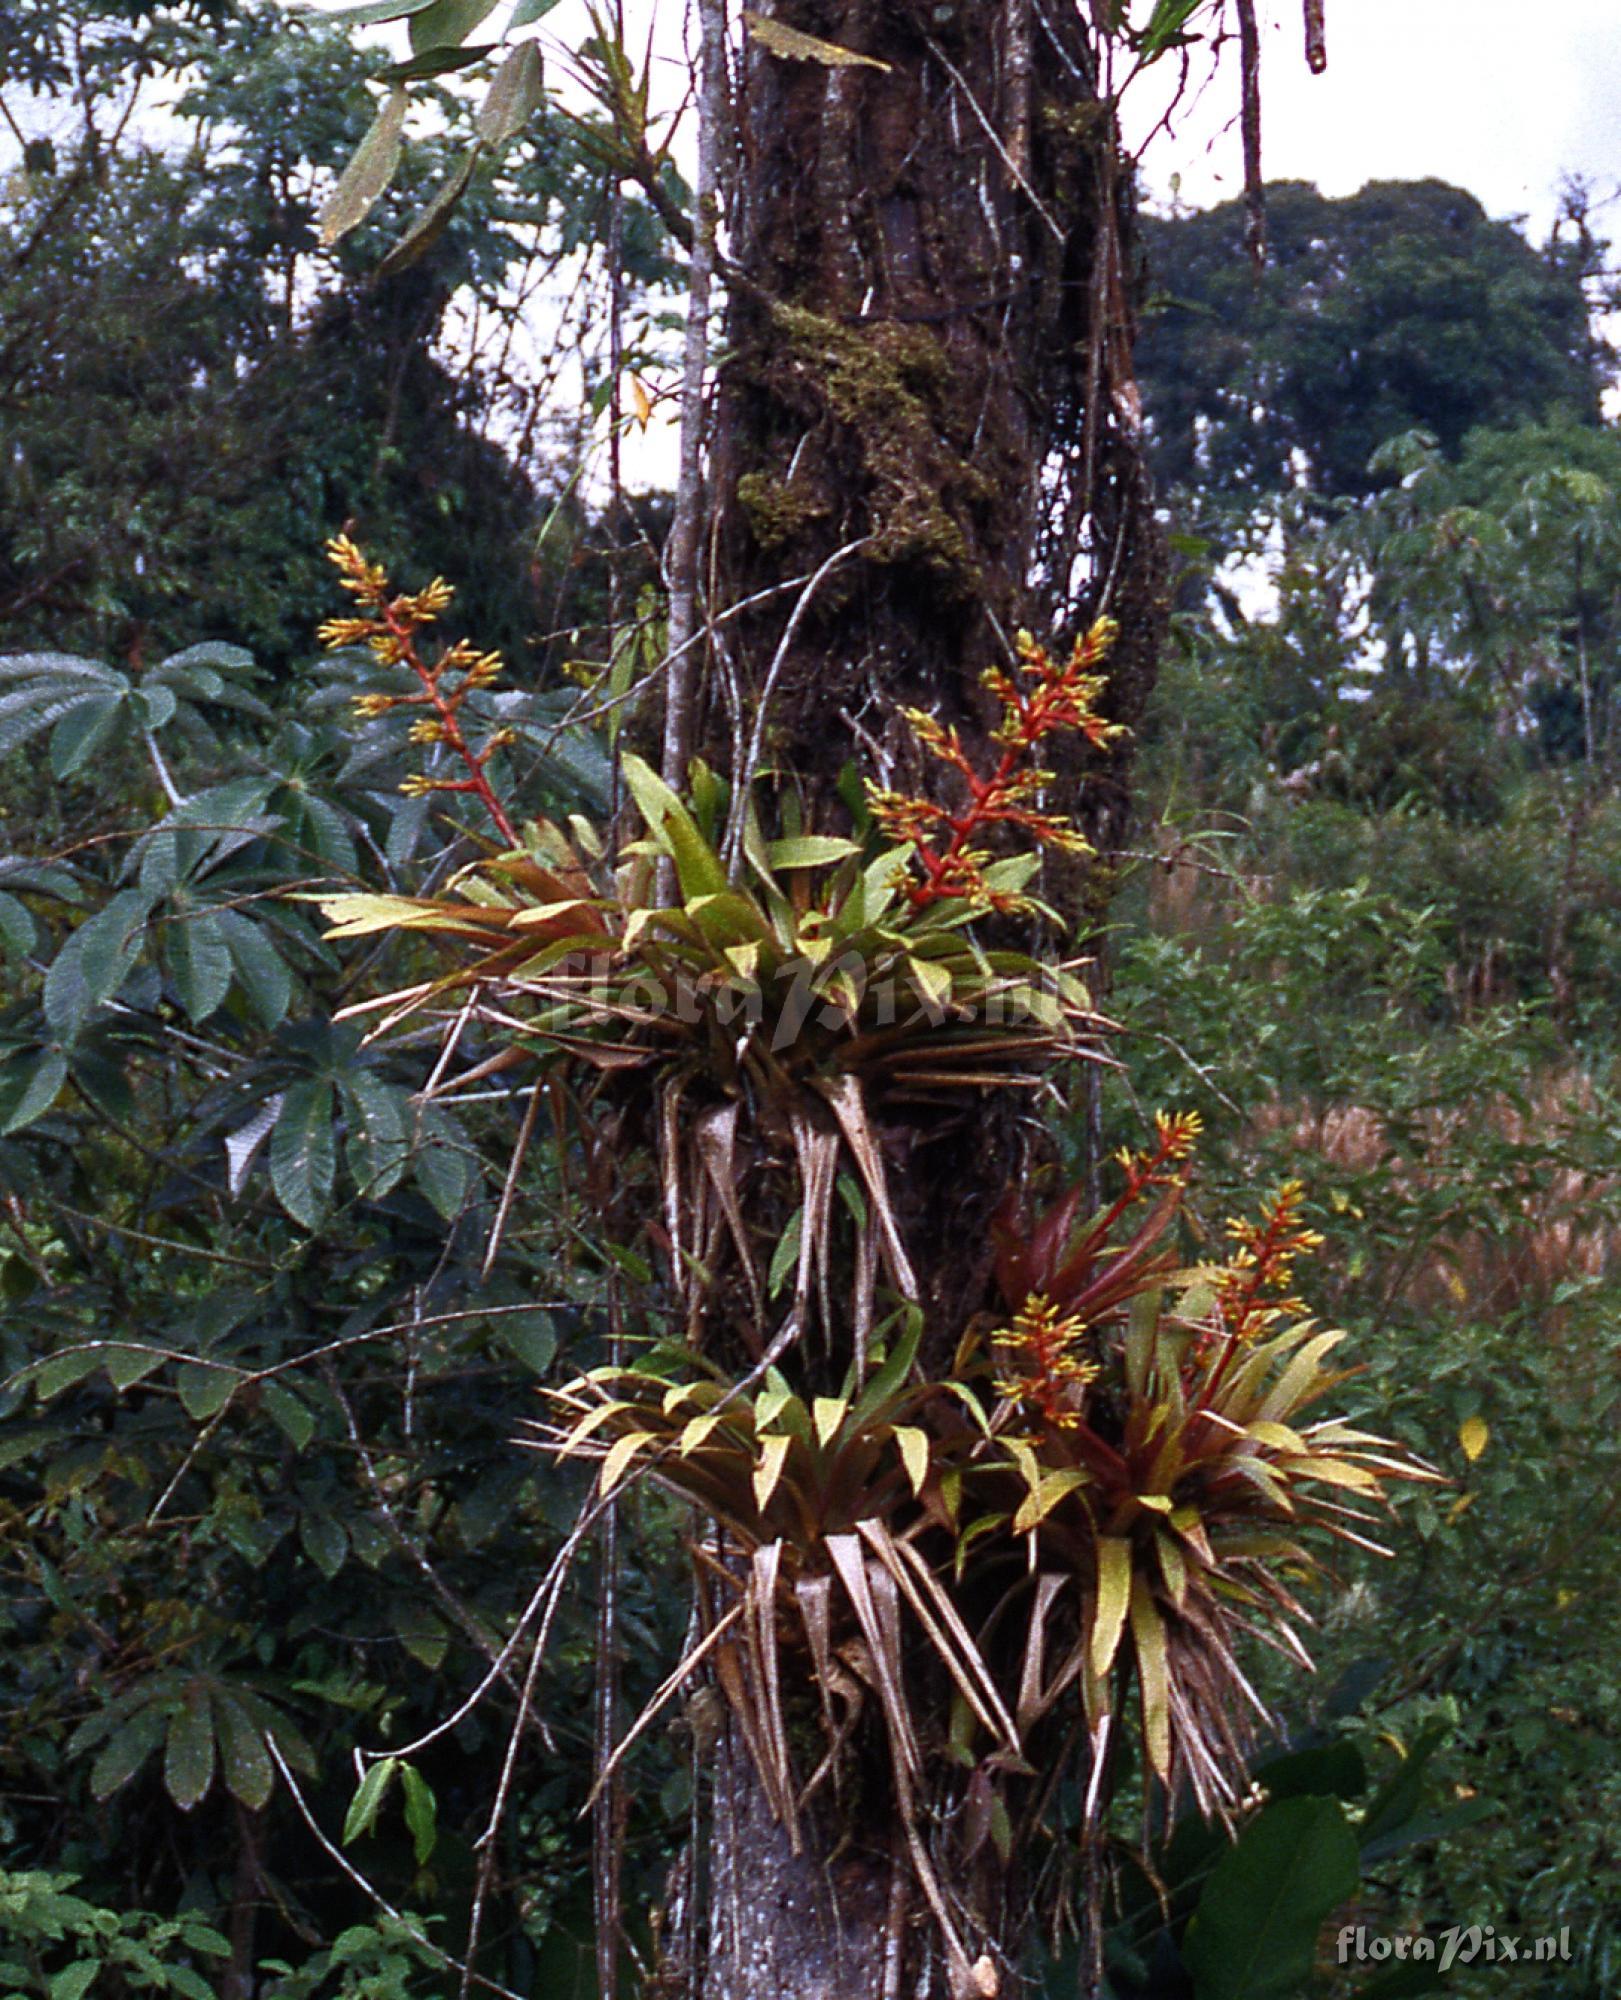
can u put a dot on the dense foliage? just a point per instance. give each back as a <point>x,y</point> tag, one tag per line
<point>1401,307</point>
<point>197,388</point>
<point>273,1564</point>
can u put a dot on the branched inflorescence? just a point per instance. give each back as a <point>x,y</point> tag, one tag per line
<point>1255,1287</point>
<point>1167,1163</point>
<point>389,631</point>
<point>1047,698</point>
<point>1049,1371</point>
<point>1048,1364</point>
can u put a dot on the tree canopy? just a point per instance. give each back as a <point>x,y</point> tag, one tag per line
<point>1402,307</point>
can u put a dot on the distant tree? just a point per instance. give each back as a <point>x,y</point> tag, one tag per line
<point>1401,307</point>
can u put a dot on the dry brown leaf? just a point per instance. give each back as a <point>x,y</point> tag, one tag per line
<point>843,1093</point>
<point>796,47</point>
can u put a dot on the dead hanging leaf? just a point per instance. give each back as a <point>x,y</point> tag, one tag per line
<point>430,223</point>
<point>516,93</point>
<point>817,1153</point>
<point>715,1138</point>
<point>766,1566</point>
<point>1473,1435</point>
<point>368,173</point>
<point>795,47</point>
<point>843,1093</point>
<point>641,401</point>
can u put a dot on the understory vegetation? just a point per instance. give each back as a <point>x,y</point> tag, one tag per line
<point>318,1353</point>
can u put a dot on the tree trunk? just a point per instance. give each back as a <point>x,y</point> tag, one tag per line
<point>814,1926</point>
<point>925,436</point>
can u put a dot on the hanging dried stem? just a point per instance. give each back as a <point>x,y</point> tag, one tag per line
<point>1249,56</point>
<point>686,532</point>
<point>1316,41</point>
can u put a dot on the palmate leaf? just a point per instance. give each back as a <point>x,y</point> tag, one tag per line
<point>127,1749</point>
<point>264,975</point>
<point>199,960</point>
<point>95,961</point>
<point>83,731</point>
<point>245,1762</point>
<point>303,1151</point>
<point>378,1145</point>
<point>188,1761</point>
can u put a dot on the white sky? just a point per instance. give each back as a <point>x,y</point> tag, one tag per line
<point>1496,96</point>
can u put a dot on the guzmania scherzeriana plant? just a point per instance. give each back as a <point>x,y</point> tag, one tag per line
<point>821,980</point>
<point>1109,1480</point>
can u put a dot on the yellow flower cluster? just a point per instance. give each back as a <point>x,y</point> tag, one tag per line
<point>1048,1371</point>
<point>1254,1287</point>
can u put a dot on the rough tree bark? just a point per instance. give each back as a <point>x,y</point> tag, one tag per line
<point>926,413</point>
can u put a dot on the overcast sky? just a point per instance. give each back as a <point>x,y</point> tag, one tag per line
<point>1497,96</point>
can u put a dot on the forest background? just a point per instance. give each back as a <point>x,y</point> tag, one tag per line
<point>266,1319</point>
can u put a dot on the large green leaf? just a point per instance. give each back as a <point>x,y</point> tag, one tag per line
<point>440,60</point>
<point>80,734</point>
<point>368,1799</point>
<point>1254,1934</point>
<point>379,1138</point>
<point>514,96</point>
<point>205,1391</point>
<point>1397,1801</point>
<point>303,1155</point>
<point>323,1539</point>
<point>127,1749</point>
<point>430,223</point>
<point>18,932</point>
<point>188,1758</point>
<point>373,11</point>
<point>421,1814</point>
<point>199,960</point>
<point>697,866</point>
<point>264,974</point>
<point>28,1087</point>
<point>1327,1770</point>
<point>74,1981</point>
<point>448,23</point>
<point>244,1760</point>
<point>292,1416</point>
<point>368,173</point>
<point>128,1365</point>
<point>95,961</point>
<point>442,1165</point>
